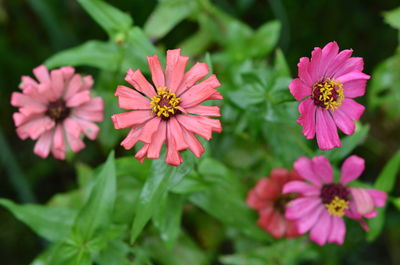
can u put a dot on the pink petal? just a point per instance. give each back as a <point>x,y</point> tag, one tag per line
<point>79,99</point>
<point>298,89</point>
<point>329,53</point>
<point>301,188</point>
<point>157,141</point>
<point>43,145</point>
<point>27,81</point>
<point>343,122</point>
<point>33,110</point>
<point>352,168</point>
<point>57,82</point>
<point>213,123</point>
<point>355,75</point>
<point>139,82</point>
<point>35,128</point>
<point>176,132</point>
<point>323,168</point>
<point>130,99</point>
<point>304,167</point>
<point>338,230</point>
<point>88,128</point>
<point>255,202</point>
<point>174,78</point>
<point>75,143</point>
<point>355,88</point>
<point>302,207</point>
<point>173,157</point>
<point>193,124</point>
<point>73,87</point>
<point>215,96</point>
<point>149,129</point>
<point>304,73</point>
<point>72,127</point>
<point>276,225</point>
<point>141,154</point>
<point>309,219</point>
<point>316,65</point>
<point>212,111</point>
<point>322,229</point>
<point>94,105</point>
<point>200,92</point>
<point>350,65</point>
<point>197,72</point>
<point>87,82</point>
<point>193,143</point>
<point>338,62</point>
<point>157,74</point>
<point>352,109</point>
<point>20,118</point>
<point>22,100</point>
<point>58,148</point>
<point>88,115</point>
<point>267,189</point>
<point>363,200</point>
<point>327,135</point>
<point>379,197</point>
<point>172,59</point>
<point>128,119</point>
<point>68,72</point>
<point>307,111</point>
<point>132,138</point>
<point>42,74</point>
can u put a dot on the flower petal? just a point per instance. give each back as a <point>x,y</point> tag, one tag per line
<point>212,111</point>
<point>298,89</point>
<point>350,65</point>
<point>42,74</point>
<point>197,72</point>
<point>355,75</point>
<point>199,92</point>
<point>193,124</point>
<point>139,82</point>
<point>363,200</point>
<point>322,229</point>
<point>323,168</point>
<point>157,74</point>
<point>352,109</point>
<point>379,197</point>
<point>343,122</point>
<point>355,88</point>
<point>176,132</point>
<point>141,154</point>
<point>157,141</point>
<point>35,128</point>
<point>301,187</point>
<point>173,156</point>
<point>133,137</point>
<point>193,143</point>
<point>174,77</point>
<point>130,99</point>
<point>307,111</point>
<point>352,168</point>
<point>327,135</point>
<point>304,73</point>
<point>149,129</point>
<point>309,219</point>
<point>338,230</point>
<point>128,119</point>
<point>43,145</point>
<point>58,148</point>
<point>301,207</point>
<point>304,167</point>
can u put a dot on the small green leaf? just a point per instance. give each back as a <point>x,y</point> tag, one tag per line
<point>264,39</point>
<point>51,223</point>
<point>388,176</point>
<point>93,53</point>
<point>111,19</point>
<point>376,224</point>
<point>280,65</point>
<point>392,17</point>
<point>167,15</point>
<point>67,253</point>
<point>97,211</point>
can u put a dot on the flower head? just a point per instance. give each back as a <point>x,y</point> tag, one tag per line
<point>56,110</point>
<point>329,82</point>
<point>267,198</point>
<point>323,203</point>
<point>170,111</point>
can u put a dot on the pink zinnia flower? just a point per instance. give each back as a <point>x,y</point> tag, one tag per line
<point>56,110</point>
<point>170,111</point>
<point>329,82</point>
<point>323,203</point>
<point>267,198</point>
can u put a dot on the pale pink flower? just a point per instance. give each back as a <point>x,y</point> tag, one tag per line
<point>56,110</point>
<point>169,111</point>
<point>323,203</point>
<point>329,82</point>
<point>267,198</point>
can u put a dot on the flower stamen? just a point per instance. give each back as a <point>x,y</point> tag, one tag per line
<point>165,104</point>
<point>337,206</point>
<point>328,94</point>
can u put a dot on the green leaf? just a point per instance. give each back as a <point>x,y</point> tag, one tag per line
<point>116,253</point>
<point>93,53</point>
<point>51,223</point>
<point>97,211</point>
<point>111,19</point>
<point>265,39</point>
<point>388,176</point>
<point>168,217</point>
<point>392,17</point>
<point>376,224</point>
<point>348,144</point>
<point>67,253</point>
<point>280,65</point>
<point>167,15</point>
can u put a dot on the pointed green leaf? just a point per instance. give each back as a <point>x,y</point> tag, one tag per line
<point>387,178</point>
<point>392,17</point>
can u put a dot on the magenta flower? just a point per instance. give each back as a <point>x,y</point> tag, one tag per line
<point>329,82</point>
<point>323,203</point>
<point>56,110</point>
<point>169,112</point>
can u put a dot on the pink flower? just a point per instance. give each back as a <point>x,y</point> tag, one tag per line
<point>323,203</point>
<point>170,111</point>
<point>329,82</point>
<point>267,198</point>
<point>56,110</point>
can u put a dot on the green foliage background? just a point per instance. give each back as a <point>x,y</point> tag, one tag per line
<point>86,211</point>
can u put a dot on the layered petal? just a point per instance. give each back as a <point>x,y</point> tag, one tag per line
<point>298,89</point>
<point>323,168</point>
<point>326,132</point>
<point>352,168</point>
<point>139,82</point>
<point>157,74</point>
<point>322,229</point>
<point>307,118</point>
<point>304,167</point>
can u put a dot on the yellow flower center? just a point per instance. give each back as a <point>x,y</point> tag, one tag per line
<point>337,206</point>
<point>328,94</point>
<point>165,104</point>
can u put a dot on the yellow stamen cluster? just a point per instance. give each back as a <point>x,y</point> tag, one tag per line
<point>330,93</point>
<point>337,206</point>
<point>165,103</point>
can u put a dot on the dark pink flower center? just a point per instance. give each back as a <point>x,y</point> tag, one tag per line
<point>281,202</point>
<point>57,110</point>
<point>328,94</point>
<point>330,191</point>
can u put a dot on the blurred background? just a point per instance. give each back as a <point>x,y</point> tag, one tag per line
<point>34,30</point>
